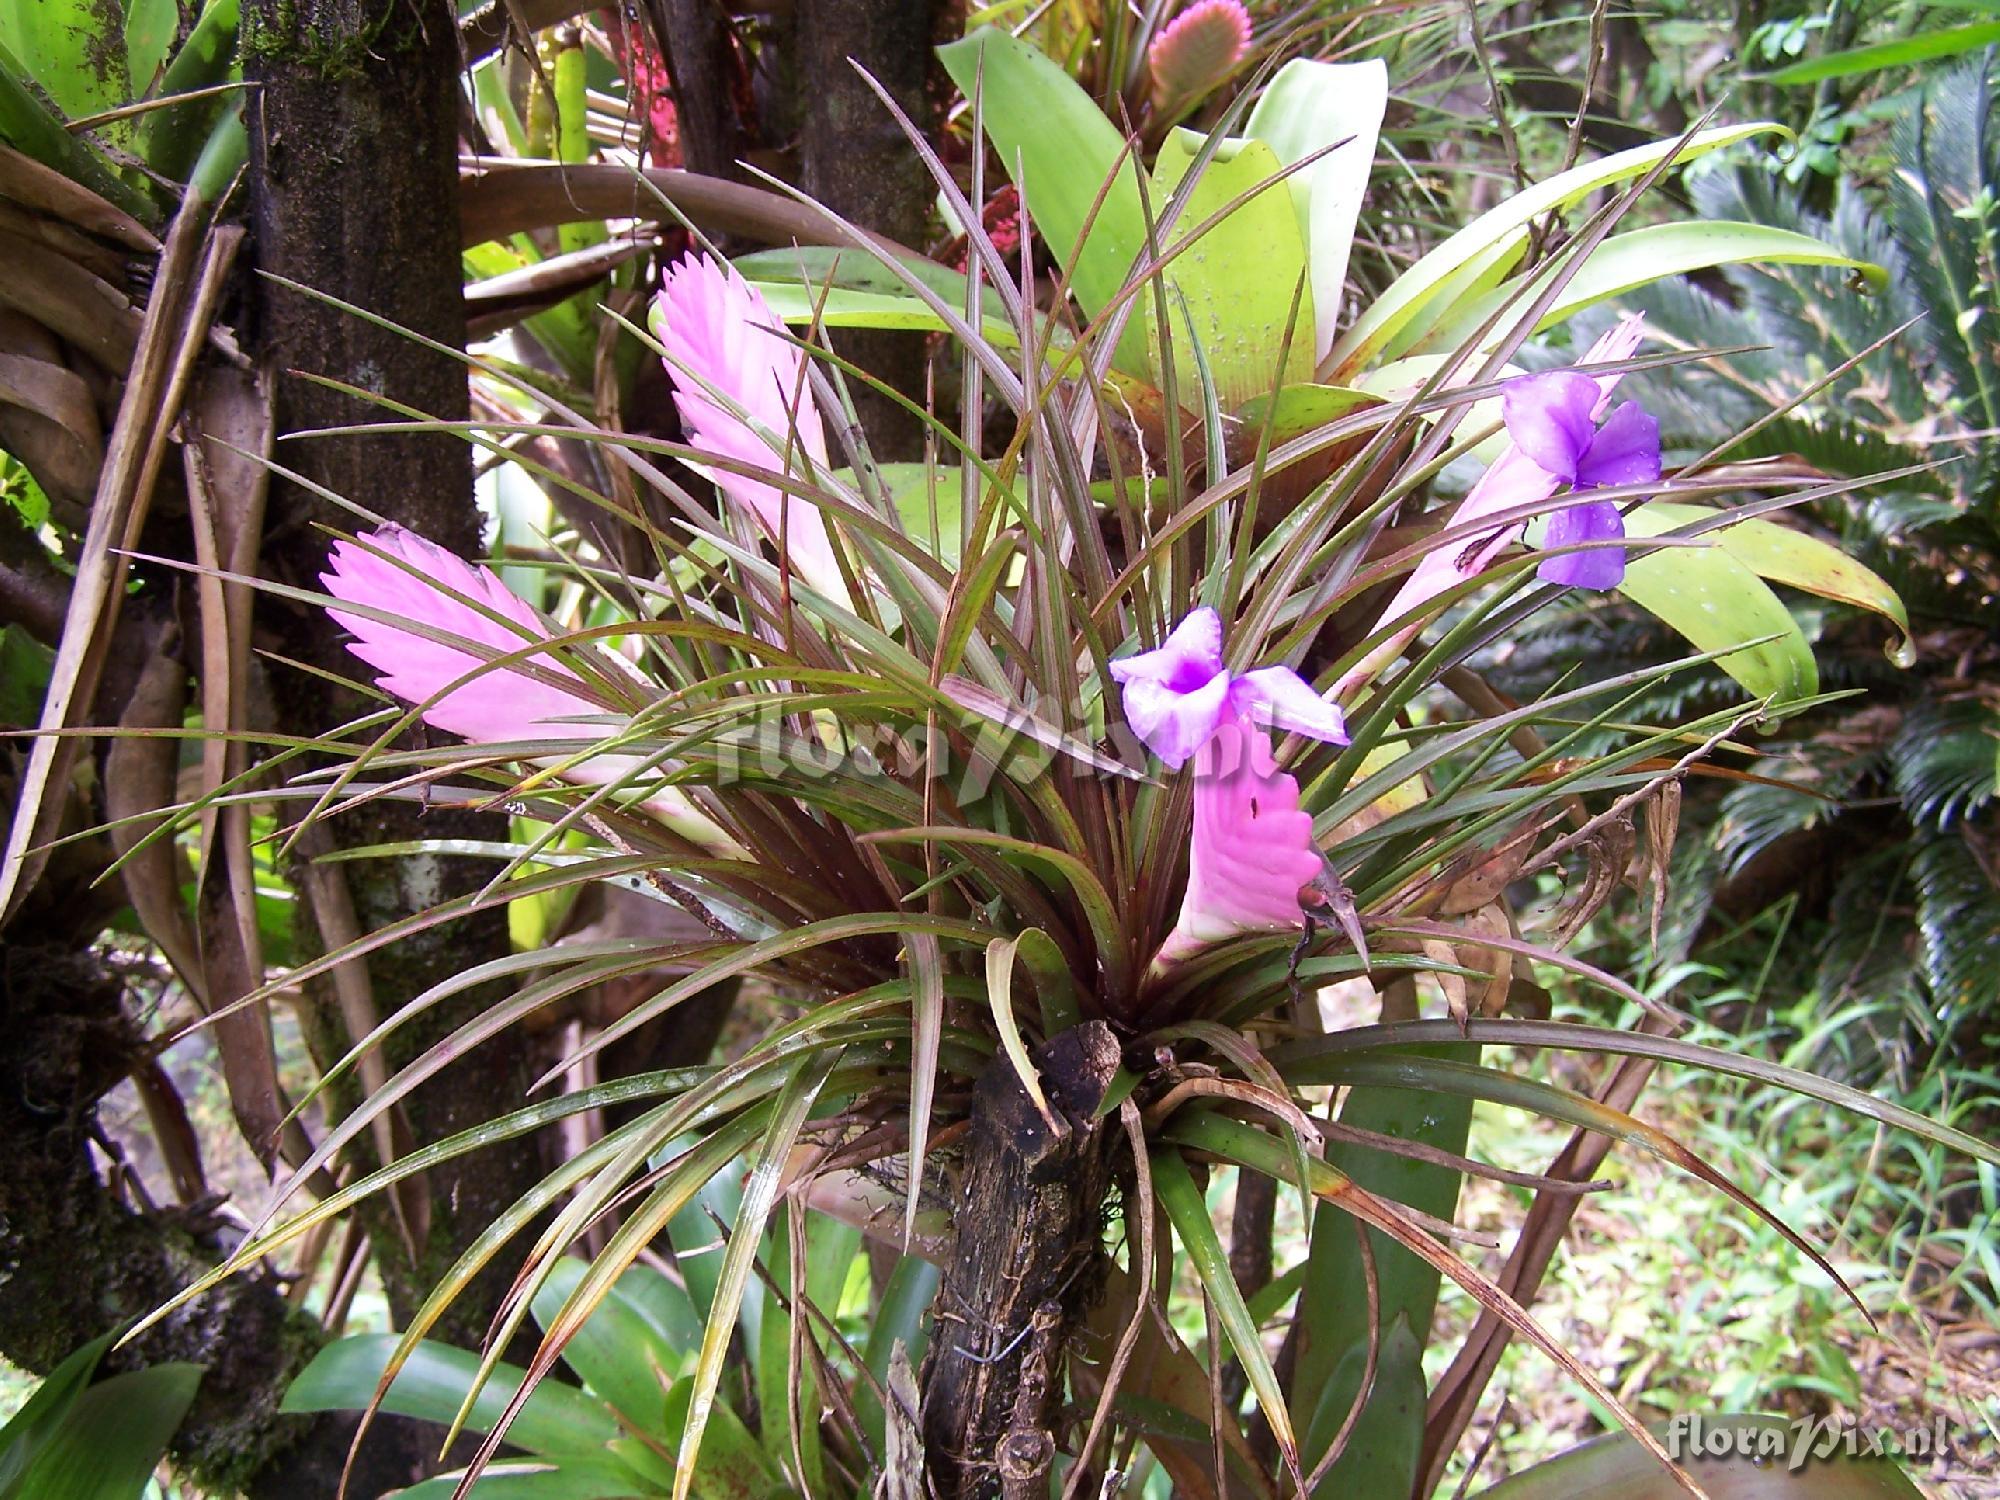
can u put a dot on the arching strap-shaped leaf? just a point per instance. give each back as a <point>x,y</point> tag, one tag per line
<point>1413,291</point>
<point>1796,559</point>
<point>1706,594</point>
<point>557,1420</point>
<point>1640,258</point>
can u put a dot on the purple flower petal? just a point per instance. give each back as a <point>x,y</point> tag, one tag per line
<point>1626,449</point>
<point>1548,417</point>
<point>1278,695</point>
<point>1251,849</point>
<point>1174,724</point>
<point>1186,659</point>
<point>1601,568</point>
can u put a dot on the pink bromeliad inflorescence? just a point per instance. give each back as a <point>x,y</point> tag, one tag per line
<point>1195,51</point>
<point>741,390</point>
<point>400,577</point>
<point>1251,849</point>
<point>399,573</point>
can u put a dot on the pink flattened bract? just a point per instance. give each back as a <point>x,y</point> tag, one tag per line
<point>497,705</point>
<point>1251,850</point>
<point>722,339</point>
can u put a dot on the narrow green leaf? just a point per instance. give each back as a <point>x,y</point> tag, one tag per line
<point>112,1436</point>
<point>41,1415</point>
<point>27,126</point>
<point>593,1477</point>
<point>1903,52</point>
<point>618,1353</point>
<point>1315,1061</point>
<point>558,1420</point>
<point>1000,1001</point>
<point>1174,1186</point>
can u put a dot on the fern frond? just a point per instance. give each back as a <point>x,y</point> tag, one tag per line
<point>1959,918</point>
<point>1947,760</point>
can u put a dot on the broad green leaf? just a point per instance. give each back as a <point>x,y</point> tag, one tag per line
<point>42,1413</point>
<point>174,136</point>
<point>75,51</point>
<point>899,1319</point>
<point>1385,1446</point>
<point>848,269</point>
<point>1411,291</point>
<point>1901,53</point>
<point>111,1437</point>
<point>1335,1337</point>
<point>830,1249</point>
<point>626,1360</point>
<point>732,1465</point>
<point>1231,289</point>
<point>149,32</point>
<point>1308,107</point>
<point>1301,408</point>
<point>1710,597</point>
<point>27,126</point>
<point>760,1193</point>
<point>1644,256</point>
<point>1791,557</point>
<point>578,1477</point>
<point>928,500</point>
<point>1614,1467</point>
<point>1060,151</point>
<point>557,1419</point>
<point>842,308</point>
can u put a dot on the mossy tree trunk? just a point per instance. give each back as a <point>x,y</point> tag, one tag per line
<point>77,1261</point>
<point>857,160</point>
<point>354,132</point>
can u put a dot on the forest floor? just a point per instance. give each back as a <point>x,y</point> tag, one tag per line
<point>1684,1302</point>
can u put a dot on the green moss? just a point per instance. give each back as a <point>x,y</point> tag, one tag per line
<point>311,37</point>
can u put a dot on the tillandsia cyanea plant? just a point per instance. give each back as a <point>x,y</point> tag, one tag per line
<point>1040,789</point>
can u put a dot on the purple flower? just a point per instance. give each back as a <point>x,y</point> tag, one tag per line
<point>1516,478</point>
<point>1178,696</point>
<point>1552,419</point>
<point>1250,847</point>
